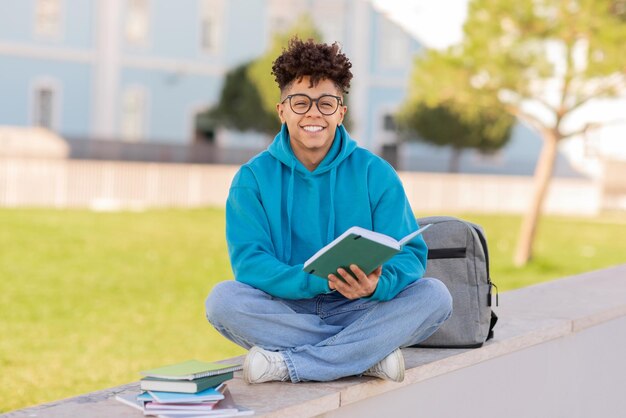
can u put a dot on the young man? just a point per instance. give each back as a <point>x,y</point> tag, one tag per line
<point>308,187</point>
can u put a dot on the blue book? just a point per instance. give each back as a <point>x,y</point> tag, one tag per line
<point>144,397</point>
<point>210,394</point>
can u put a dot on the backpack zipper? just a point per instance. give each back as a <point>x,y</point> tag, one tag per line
<point>492,285</point>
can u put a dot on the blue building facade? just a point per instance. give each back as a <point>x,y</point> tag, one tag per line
<point>141,70</point>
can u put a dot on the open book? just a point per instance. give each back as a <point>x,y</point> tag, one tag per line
<point>367,249</point>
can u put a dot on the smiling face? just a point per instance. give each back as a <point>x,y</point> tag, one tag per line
<point>311,134</point>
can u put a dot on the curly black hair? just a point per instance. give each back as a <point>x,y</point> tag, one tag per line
<point>318,61</point>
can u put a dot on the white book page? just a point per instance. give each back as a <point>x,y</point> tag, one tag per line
<point>413,234</point>
<point>386,240</point>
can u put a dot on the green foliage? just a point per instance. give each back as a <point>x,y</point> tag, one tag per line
<point>250,94</point>
<point>241,107</point>
<point>87,300</point>
<point>260,72</point>
<point>558,54</point>
<point>519,49</point>
<point>437,108</point>
<point>445,78</point>
<point>541,61</point>
<point>445,125</point>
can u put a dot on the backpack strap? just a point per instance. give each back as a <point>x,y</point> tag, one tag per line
<point>492,323</point>
<point>494,317</point>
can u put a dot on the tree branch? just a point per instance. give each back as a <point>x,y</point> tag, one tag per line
<point>581,102</point>
<point>525,98</point>
<point>542,102</point>
<point>528,118</point>
<point>583,131</point>
<point>612,83</point>
<point>562,110</point>
<point>592,126</point>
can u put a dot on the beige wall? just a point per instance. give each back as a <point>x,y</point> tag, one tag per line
<point>106,185</point>
<point>435,192</point>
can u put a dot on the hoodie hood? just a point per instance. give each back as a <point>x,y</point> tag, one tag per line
<point>343,145</point>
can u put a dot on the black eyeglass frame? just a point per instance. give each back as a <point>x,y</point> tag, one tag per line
<point>311,101</point>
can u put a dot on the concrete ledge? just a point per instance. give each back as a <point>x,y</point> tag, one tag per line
<point>529,317</point>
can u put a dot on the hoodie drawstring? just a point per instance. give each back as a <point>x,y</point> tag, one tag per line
<point>342,148</point>
<point>287,248</point>
<point>330,232</point>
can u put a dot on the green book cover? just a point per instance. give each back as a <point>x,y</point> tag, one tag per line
<point>367,249</point>
<point>191,369</point>
<point>184,386</point>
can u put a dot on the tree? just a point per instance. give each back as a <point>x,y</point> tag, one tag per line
<point>446,125</point>
<point>261,69</point>
<point>260,72</point>
<point>545,60</point>
<point>240,106</point>
<point>434,112</point>
<point>249,95</point>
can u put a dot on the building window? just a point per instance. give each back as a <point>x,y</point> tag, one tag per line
<point>210,25</point>
<point>282,13</point>
<point>389,123</point>
<point>134,104</point>
<point>385,126</point>
<point>45,105</point>
<point>137,22</point>
<point>48,18</point>
<point>393,45</point>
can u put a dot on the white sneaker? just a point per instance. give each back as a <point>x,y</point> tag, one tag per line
<point>264,366</point>
<point>389,368</point>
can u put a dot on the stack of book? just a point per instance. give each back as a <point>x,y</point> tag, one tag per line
<point>189,389</point>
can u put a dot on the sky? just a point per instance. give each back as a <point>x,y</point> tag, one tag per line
<point>438,24</point>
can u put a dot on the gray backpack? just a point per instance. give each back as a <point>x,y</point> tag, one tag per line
<point>458,256</point>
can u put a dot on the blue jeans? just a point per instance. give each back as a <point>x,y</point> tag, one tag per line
<point>328,336</point>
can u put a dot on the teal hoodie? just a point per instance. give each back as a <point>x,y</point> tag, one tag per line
<point>278,214</point>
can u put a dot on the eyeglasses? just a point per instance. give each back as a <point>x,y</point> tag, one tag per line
<point>327,104</point>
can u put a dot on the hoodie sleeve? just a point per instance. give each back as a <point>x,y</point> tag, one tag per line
<point>250,246</point>
<point>392,215</point>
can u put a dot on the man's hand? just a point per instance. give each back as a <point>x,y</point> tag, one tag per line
<point>363,286</point>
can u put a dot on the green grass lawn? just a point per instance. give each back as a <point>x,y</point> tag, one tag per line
<point>89,299</point>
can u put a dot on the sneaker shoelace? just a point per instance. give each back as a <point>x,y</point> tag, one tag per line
<point>276,366</point>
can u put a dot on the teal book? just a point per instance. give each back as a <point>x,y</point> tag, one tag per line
<point>207,395</point>
<point>191,369</point>
<point>367,249</point>
<point>184,386</point>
